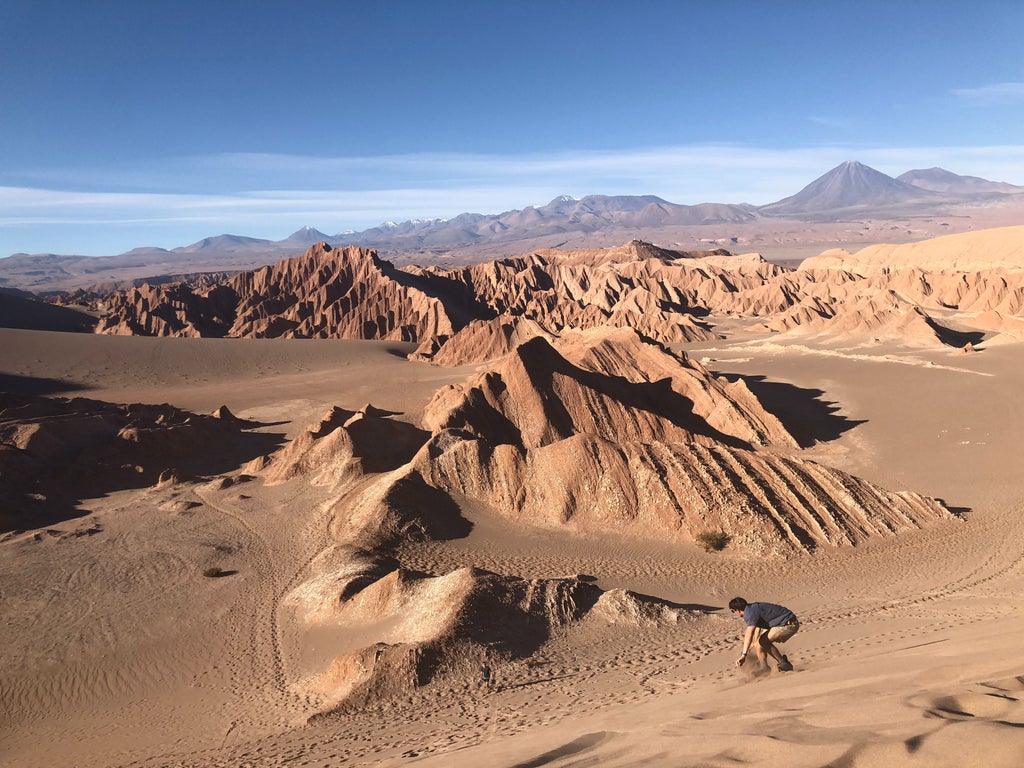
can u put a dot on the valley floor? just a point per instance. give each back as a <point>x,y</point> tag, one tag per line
<point>117,651</point>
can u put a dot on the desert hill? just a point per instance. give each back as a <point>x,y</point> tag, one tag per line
<point>933,291</point>
<point>941,180</point>
<point>666,451</point>
<point>557,445</point>
<point>452,626</point>
<point>968,252</point>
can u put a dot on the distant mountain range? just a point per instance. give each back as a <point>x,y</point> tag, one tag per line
<point>854,189</point>
<point>851,191</point>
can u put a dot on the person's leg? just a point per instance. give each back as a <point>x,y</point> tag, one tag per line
<point>767,648</point>
<point>760,641</point>
<point>781,635</point>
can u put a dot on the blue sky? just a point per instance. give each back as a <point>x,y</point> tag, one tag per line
<point>126,124</point>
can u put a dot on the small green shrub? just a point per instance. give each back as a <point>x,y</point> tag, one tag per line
<point>213,573</point>
<point>713,541</point>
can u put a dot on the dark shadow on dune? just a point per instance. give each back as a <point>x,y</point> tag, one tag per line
<point>575,747</point>
<point>958,511</point>
<point>87,449</point>
<point>803,413</point>
<point>220,574</point>
<point>542,362</point>
<point>381,566</point>
<point>511,617</point>
<point>426,513</point>
<point>34,315</point>
<point>35,385</point>
<point>956,338</point>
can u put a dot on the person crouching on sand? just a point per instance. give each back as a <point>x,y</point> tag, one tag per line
<point>767,624</point>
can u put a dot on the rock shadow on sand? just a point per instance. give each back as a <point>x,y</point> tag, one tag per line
<point>657,398</point>
<point>573,749</point>
<point>954,338</point>
<point>803,412</point>
<point>36,385</point>
<point>56,453</point>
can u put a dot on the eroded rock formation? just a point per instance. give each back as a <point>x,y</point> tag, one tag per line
<point>451,625</point>
<point>579,419</point>
<point>582,441</point>
<point>326,293</point>
<point>474,314</point>
<point>563,434</point>
<point>54,451</point>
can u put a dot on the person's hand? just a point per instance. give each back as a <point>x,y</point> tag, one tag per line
<point>740,660</point>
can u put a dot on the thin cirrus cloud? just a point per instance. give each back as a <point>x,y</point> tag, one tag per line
<point>270,195</point>
<point>659,164</point>
<point>683,174</point>
<point>991,95</point>
<point>277,208</point>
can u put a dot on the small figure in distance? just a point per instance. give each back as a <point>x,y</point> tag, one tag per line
<point>767,624</point>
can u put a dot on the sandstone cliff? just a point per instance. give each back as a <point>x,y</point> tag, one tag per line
<point>326,293</point>
<point>474,314</point>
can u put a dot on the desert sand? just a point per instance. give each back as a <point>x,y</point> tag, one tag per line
<point>117,650</point>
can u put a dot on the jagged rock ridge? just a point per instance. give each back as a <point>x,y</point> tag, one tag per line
<point>550,443</point>
<point>350,293</point>
<point>327,293</point>
<point>474,314</point>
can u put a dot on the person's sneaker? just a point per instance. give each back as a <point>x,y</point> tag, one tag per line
<point>784,665</point>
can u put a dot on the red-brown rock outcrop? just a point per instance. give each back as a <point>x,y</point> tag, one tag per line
<point>326,293</point>
<point>473,314</point>
<point>54,451</point>
<point>551,445</point>
<point>344,445</point>
<point>584,442</point>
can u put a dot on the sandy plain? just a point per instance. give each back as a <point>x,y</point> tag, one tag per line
<point>116,651</point>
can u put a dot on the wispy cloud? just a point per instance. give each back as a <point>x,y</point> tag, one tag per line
<point>269,195</point>
<point>992,95</point>
<point>831,122</point>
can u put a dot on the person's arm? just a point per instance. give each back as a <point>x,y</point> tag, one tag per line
<point>748,640</point>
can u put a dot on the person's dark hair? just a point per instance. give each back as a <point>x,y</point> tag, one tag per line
<point>737,604</point>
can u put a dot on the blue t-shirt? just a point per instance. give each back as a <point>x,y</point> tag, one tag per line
<point>767,615</point>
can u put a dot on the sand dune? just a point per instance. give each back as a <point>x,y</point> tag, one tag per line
<point>987,249</point>
<point>383,530</point>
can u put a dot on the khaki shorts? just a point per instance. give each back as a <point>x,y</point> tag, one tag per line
<point>783,633</point>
